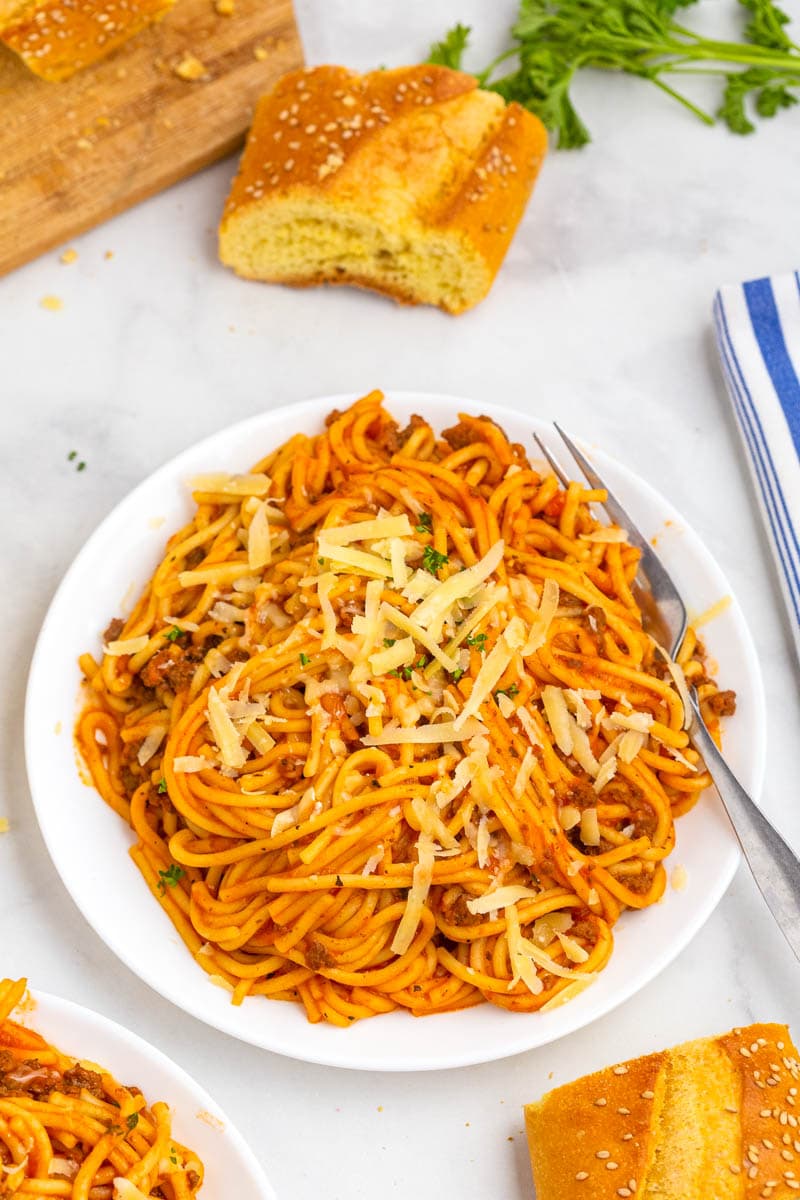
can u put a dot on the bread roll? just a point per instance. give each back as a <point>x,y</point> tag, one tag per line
<point>715,1119</point>
<point>56,38</point>
<point>410,182</point>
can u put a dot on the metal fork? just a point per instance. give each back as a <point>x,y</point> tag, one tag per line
<point>772,862</point>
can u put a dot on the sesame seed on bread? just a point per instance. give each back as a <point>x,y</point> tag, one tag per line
<point>56,38</point>
<point>410,182</point>
<point>714,1119</point>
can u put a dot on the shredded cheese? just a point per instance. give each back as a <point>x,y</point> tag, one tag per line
<point>419,735</point>
<point>126,646</point>
<point>150,744</point>
<point>225,733</point>
<point>432,612</point>
<point>500,898</point>
<point>417,895</point>
<point>220,483</point>
<point>398,655</point>
<point>259,543</point>
<point>540,626</point>
<point>185,764</point>
<point>362,531</point>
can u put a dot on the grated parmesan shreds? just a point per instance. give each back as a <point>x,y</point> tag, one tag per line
<point>188,763</point>
<point>221,483</point>
<point>501,897</point>
<point>126,646</point>
<point>125,1190</point>
<point>417,895</point>
<point>259,541</point>
<point>151,744</point>
<point>225,733</point>
<point>419,735</point>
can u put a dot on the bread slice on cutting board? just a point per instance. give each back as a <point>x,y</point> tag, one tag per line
<point>56,38</point>
<point>410,182</point>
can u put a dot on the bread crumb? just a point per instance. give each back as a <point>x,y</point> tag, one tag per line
<point>260,52</point>
<point>51,303</point>
<point>209,1119</point>
<point>190,68</point>
<point>225,8</point>
<point>3,824</point>
<point>69,256</point>
<point>109,254</point>
<point>679,878</point>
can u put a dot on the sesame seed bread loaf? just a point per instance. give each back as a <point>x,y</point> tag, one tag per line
<point>715,1119</point>
<point>56,38</point>
<point>410,182</point>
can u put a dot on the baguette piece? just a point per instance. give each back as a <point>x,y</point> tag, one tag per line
<point>410,182</point>
<point>56,38</point>
<point>715,1119</point>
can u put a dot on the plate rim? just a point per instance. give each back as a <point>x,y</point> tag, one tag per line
<point>55,1006</point>
<point>705,905</point>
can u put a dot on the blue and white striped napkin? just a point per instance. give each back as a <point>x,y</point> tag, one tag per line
<point>758,335</point>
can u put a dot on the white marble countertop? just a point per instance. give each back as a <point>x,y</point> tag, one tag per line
<point>601,318</point>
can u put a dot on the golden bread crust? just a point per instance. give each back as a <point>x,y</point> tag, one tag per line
<point>418,152</point>
<point>591,1138</point>
<point>570,1130</point>
<point>766,1062</point>
<point>56,38</point>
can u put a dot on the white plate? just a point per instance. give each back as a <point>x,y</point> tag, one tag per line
<point>197,1122</point>
<point>88,842</point>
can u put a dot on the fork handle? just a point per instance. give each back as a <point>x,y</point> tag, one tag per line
<point>774,865</point>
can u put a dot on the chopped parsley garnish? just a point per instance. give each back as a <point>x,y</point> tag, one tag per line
<point>478,640</point>
<point>424,523</point>
<point>170,877</point>
<point>73,454</point>
<point>422,660</point>
<point>162,786</point>
<point>174,633</point>
<point>389,642</point>
<point>456,675</point>
<point>321,561</point>
<point>511,691</point>
<point>81,466</point>
<point>304,660</point>
<point>132,1121</point>
<point>433,560</point>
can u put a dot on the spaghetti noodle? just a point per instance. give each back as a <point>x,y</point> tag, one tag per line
<point>388,727</point>
<point>68,1129</point>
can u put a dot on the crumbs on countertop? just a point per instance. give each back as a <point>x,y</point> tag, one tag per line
<point>69,256</point>
<point>190,68</point>
<point>51,303</point>
<point>4,826</point>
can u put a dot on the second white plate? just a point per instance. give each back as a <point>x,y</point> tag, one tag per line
<point>197,1122</point>
<point>88,843</point>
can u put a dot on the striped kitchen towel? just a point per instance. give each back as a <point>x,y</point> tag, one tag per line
<point>758,335</point>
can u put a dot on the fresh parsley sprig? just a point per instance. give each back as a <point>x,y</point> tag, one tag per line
<point>555,39</point>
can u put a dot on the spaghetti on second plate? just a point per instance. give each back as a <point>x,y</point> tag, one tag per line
<point>389,729</point>
<point>68,1129</point>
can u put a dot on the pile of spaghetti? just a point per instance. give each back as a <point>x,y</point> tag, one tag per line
<point>389,729</point>
<point>70,1130</point>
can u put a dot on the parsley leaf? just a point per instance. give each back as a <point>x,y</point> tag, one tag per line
<point>162,786</point>
<point>553,40</point>
<point>304,660</point>
<point>478,640</point>
<point>424,523</point>
<point>170,878</point>
<point>132,1120</point>
<point>433,560</point>
<point>450,50</point>
<point>174,633</point>
<point>511,691</point>
<point>389,642</point>
<point>456,675</point>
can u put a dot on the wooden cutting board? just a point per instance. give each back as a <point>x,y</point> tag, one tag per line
<point>75,153</point>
